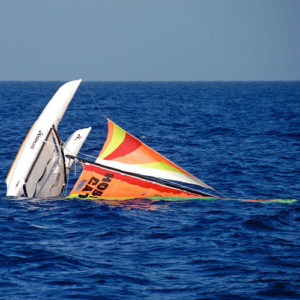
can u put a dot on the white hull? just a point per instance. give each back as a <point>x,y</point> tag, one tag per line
<point>32,159</point>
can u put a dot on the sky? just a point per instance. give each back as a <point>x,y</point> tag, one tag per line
<point>150,40</point>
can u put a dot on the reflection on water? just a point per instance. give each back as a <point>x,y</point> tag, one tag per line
<point>137,203</point>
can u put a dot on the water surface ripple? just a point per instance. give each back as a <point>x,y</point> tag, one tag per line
<point>242,138</point>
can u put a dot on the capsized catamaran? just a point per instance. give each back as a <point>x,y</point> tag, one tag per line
<point>125,168</point>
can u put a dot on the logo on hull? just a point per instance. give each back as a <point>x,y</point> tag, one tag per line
<point>36,139</point>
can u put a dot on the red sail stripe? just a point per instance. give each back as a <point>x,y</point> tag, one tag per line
<point>129,145</point>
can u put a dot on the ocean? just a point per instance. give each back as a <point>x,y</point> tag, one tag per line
<point>242,138</point>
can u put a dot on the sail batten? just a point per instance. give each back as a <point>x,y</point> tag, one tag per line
<point>125,152</point>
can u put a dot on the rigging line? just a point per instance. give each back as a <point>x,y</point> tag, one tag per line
<point>102,112</point>
<point>87,155</point>
<point>95,101</point>
<point>217,191</point>
<point>77,164</point>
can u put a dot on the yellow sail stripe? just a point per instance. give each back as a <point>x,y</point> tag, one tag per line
<point>118,137</point>
<point>160,166</point>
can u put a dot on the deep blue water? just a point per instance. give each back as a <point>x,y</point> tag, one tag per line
<point>241,138</point>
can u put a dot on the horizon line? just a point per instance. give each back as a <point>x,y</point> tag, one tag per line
<point>96,80</point>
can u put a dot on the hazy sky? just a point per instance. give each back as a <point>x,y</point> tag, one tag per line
<point>150,40</point>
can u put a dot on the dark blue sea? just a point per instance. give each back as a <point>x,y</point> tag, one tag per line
<point>242,138</point>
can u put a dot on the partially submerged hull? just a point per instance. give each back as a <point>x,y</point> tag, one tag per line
<point>39,151</point>
<point>54,181</point>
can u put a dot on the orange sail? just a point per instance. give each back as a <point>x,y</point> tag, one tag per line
<point>100,182</point>
<point>127,168</point>
<point>125,152</point>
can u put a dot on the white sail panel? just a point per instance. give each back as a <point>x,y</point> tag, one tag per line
<point>158,173</point>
